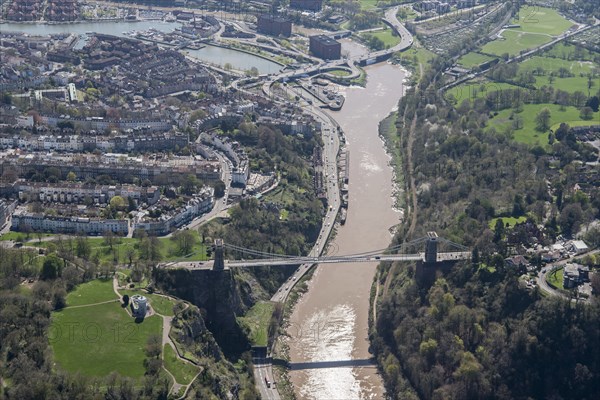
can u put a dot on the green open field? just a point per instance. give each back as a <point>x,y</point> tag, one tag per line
<point>99,339</point>
<point>538,25</point>
<point>182,371</point>
<point>473,59</point>
<point>368,4</point>
<point>20,236</point>
<point>475,89</point>
<point>161,304</point>
<point>386,36</point>
<point>96,291</point>
<point>514,42</point>
<point>549,65</point>
<point>257,321</point>
<point>537,19</point>
<point>567,51</point>
<point>121,246</point>
<point>339,72</point>
<point>528,134</point>
<point>510,221</point>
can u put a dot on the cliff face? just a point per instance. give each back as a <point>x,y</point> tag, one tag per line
<point>219,296</point>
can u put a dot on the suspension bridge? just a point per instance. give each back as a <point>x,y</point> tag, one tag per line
<point>228,256</point>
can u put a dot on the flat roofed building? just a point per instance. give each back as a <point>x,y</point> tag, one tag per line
<point>324,47</point>
<point>274,25</point>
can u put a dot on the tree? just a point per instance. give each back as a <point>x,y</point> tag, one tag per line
<point>82,247</point>
<point>570,218</point>
<point>498,230</point>
<point>586,113</point>
<point>190,184</point>
<point>594,103</point>
<point>219,189</point>
<point>118,203</point>
<point>542,119</point>
<point>71,177</point>
<point>125,300</point>
<point>595,280</point>
<point>153,346</point>
<point>185,241</point>
<point>51,268</point>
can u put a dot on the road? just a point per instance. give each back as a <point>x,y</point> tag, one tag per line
<point>542,275</point>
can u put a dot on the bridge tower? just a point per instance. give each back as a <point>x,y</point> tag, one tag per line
<point>431,247</point>
<point>219,263</point>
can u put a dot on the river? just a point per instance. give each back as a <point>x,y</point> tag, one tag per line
<point>329,325</point>
<point>212,54</point>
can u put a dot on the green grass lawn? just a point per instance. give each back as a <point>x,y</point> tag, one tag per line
<point>387,36</point>
<point>414,56</point>
<point>368,4</point>
<point>473,59</point>
<point>161,304</point>
<point>556,278</point>
<point>257,321</point>
<point>511,221</point>
<point>99,339</point>
<point>182,371</point>
<point>20,236</point>
<point>339,72</point>
<point>550,64</point>
<point>168,248</point>
<point>569,84</point>
<point>567,51</point>
<point>95,291</point>
<point>514,42</point>
<point>537,19</point>
<point>528,134</point>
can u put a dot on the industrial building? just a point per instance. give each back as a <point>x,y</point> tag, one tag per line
<point>274,25</point>
<point>324,47</point>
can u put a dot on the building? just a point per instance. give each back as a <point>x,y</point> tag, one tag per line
<point>578,246</point>
<point>24,220</point>
<point>274,25</point>
<point>6,209</point>
<point>139,305</point>
<point>78,193</point>
<point>311,5</point>
<point>324,47</point>
<point>240,173</point>
<point>574,275</point>
<point>166,223</point>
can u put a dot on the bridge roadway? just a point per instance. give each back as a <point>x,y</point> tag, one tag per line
<point>307,260</point>
<point>449,256</point>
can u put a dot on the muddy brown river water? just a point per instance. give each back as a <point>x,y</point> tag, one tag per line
<point>329,326</point>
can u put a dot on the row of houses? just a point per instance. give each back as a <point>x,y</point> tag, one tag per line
<point>78,193</point>
<point>202,203</point>
<point>163,141</point>
<point>121,167</point>
<point>199,204</point>
<point>102,124</point>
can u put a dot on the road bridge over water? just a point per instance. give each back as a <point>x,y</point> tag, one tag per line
<point>247,258</point>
